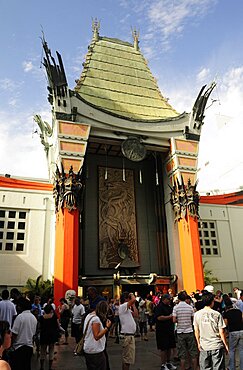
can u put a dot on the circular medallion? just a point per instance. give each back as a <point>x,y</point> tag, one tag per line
<point>133,149</point>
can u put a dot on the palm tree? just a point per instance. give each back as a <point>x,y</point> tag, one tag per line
<point>209,278</point>
<point>40,287</point>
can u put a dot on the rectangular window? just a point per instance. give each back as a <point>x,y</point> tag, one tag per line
<point>13,230</point>
<point>20,247</point>
<point>11,224</point>
<point>11,214</point>
<point>10,235</point>
<point>208,238</point>
<point>9,246</point>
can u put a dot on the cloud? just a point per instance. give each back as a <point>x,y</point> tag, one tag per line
<point>21,150</point>
<point>7,84</point>
<point>221,139</point>
<point>10,92</point>
<point>169,17</point>
<point>13,102</point>
<point>149,52</point>
<point>220,147</point>
<point>34,67</point>
<point>203,74</point>
<point>74,63</point>
<point>28,66</point>
<point>166,19</point>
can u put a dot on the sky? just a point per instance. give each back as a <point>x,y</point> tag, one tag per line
<point>187,43</point>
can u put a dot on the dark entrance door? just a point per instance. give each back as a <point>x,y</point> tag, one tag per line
<point>142,290</point>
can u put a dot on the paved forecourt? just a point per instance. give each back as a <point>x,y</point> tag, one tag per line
<point>147,356</point>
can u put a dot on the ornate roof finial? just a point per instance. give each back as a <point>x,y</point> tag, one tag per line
<point>95,27</point>
<point>135,35</point>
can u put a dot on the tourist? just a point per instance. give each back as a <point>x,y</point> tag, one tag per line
<point>165,336</point>
<point>94,297</point>
<point>150,311</point>
<point>14,297</point>
<point>233,320</point>
<point>37,306</point>
<point>127,311</point>
<point>218,301</point>
<point>7,308</point>
<point>113,325</point>
<point>239,302</point>
<point>50,301</point>
<point>233,300</point>
<point>237,292</point>
<point>117,320</point>
<point>5,343</point>
<point>77,313</point>
<point>23,330</point>
<point>65,315</point>
<point>95,337</point>
<point>136,318</point>
<point>49,332</point>
<point>209,332</point>
<point>143,321</point>
<point>183,315</point>
<point>36,338</point>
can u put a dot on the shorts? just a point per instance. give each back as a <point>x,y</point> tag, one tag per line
<point>165,342</point>
<point>212,359</point>
<point>186,344</point>
<point>128,354</point>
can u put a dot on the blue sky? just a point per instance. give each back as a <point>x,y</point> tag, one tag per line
<point>187,43</point>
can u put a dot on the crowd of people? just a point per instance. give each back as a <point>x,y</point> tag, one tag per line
<point>195,331</point>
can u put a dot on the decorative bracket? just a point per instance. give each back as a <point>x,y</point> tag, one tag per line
<point>185,200</point>
<point>68,190</point>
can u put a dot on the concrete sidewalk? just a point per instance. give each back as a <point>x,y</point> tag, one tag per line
<point>147,356</point>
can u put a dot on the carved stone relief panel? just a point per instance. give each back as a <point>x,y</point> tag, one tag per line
<point>117,218</point>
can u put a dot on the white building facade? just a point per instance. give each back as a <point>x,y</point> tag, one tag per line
<point>221,237</point>
<point>27,224</point>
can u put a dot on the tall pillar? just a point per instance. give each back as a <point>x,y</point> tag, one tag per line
<point>190,251</point>
<point>66,252</point>
<point>68,187</point>
<point>181,168</point>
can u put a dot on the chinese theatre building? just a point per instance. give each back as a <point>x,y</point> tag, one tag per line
<point>125,167</point>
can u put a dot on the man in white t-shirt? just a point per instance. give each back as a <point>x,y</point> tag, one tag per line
<point>127,312</point>
<point>23,330</point>
<point>209,332</point>
<point>77,313</point>
<point>7,308</point>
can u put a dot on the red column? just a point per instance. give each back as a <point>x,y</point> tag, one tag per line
<point>66,253</point>
<point>196,249</point>
<point>190,251</point>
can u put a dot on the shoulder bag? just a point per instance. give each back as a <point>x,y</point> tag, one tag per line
<point>80,345</point>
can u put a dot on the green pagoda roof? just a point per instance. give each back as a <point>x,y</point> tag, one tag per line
<point>117,80</point>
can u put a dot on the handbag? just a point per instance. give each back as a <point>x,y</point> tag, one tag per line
<point>80,345</point>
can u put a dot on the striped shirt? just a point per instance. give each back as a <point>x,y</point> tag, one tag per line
<point>184,315</point>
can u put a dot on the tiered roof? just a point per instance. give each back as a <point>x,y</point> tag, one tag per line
<point>116,79</point>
